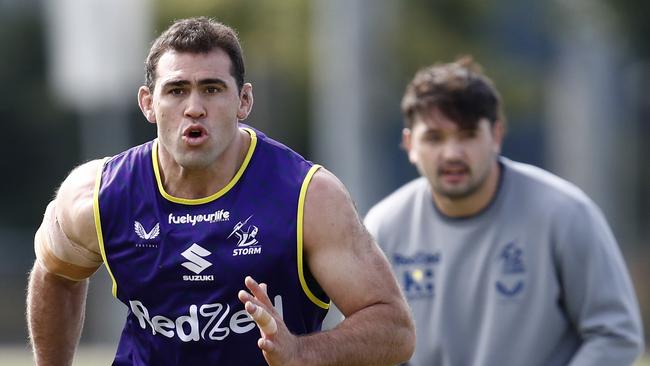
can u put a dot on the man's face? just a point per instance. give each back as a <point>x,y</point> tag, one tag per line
<point>456,162</point>
<point>196,106</point>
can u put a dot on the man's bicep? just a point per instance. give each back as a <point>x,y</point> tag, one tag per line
<point>59,254</point>
<point>341,254</point>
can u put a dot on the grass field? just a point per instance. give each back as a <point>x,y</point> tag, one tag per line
<point>86,356</point>
<point>102,356</point>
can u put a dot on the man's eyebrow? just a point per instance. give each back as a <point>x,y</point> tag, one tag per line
<point>432,129</point>
<point>175,83</point>
<point>181,83</point>
<point>213,81</point>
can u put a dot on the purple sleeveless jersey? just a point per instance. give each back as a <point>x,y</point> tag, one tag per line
<point>178,264</point>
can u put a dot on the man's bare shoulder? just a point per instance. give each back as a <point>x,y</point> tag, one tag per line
<point>325,187</point>
<point>74,204</point>
<point>331,218</point>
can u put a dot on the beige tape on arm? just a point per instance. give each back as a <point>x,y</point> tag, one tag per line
<point>60,255</point>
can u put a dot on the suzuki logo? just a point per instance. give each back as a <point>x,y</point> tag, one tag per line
<point>194,255</point>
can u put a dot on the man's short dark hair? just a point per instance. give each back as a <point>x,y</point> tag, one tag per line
<point>196,35</point>
<point>458,89</point>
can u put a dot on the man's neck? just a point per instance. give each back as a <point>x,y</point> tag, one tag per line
<point>474,203</point>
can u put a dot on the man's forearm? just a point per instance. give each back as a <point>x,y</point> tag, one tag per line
<point>376,335</point>
<point>55,313</point>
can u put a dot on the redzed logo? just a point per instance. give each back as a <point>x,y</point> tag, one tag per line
<point>207,321</point>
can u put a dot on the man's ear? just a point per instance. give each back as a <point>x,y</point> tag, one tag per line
<point>407,144</point>
<point>245,101</point>
<point>145,101</point>
<point>498,132</point>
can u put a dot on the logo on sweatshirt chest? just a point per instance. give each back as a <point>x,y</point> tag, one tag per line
<point>511,271</point>
<point>416,273</point>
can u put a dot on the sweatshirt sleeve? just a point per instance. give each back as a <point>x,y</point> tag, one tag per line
<point>597,290</point>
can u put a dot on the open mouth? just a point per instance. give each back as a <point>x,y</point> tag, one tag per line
<point>195,135</point>
<point>453,172</point>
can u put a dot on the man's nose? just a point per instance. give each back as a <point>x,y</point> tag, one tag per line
<point>195,108</point>
<point>452,149</point>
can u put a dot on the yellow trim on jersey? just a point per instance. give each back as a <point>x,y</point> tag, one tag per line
<point>301,211</point>
<point>221,192</point>
<point>98,224</point>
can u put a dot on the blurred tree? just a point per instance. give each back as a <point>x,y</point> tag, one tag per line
<point>40,144</point>
<point>33,161</point>
<point>632,16</point>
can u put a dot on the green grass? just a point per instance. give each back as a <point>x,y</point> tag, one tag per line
<point>86,356</point>
<point>644,362</point>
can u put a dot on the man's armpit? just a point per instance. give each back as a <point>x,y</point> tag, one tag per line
<point>60,255</point>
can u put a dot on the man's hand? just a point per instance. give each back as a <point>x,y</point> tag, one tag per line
<point>278,345</point>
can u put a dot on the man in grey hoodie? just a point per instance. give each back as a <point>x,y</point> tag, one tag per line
<point>502,263</point>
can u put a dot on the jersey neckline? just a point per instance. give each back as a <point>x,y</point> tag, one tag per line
<point>212,197</point>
